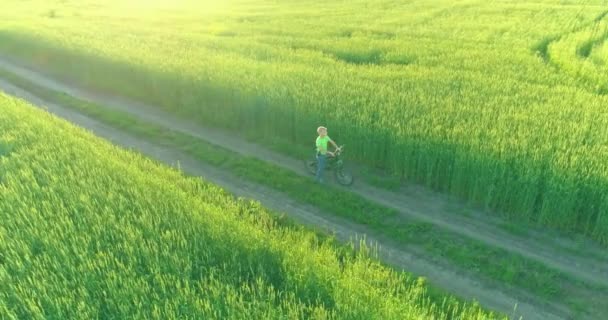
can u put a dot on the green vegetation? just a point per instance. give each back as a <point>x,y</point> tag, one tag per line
<point>477,258</point>
<point>92,231</point>
<point>583,54</point>
<point>499,103</point>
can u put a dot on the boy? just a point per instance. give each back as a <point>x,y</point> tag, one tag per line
<point>322,152</point>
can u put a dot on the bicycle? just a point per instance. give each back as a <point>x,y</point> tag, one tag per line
<point>343,176</point>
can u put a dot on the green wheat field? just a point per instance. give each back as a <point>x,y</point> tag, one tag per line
<point>503,104</point>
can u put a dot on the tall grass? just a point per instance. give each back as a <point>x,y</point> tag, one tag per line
<point>447,94</point>
<point>92,231</point>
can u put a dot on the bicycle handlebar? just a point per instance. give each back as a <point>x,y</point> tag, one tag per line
<point>339,149</point>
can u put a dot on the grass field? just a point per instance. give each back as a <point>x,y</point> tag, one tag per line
<point>500,103</point>
<point>489,263</point>
<point>92,231</point>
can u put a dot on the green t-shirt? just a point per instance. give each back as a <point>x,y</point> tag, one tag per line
<point>322,144</point>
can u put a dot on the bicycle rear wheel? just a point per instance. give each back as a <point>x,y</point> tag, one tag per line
<point>311,166</point>
<point>344,177</point>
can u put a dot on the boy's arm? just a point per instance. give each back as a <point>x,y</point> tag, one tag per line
<point>333,143</point>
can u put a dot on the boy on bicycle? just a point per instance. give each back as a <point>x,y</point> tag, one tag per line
<point>322,152</point>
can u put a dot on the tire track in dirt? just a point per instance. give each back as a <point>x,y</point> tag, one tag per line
<point>590,264</point>
<point>400,258</point>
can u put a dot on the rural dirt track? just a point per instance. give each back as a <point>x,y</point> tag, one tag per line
<point>592,266</point>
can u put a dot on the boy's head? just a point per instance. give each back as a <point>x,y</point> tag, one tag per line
<point>322,131</point>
